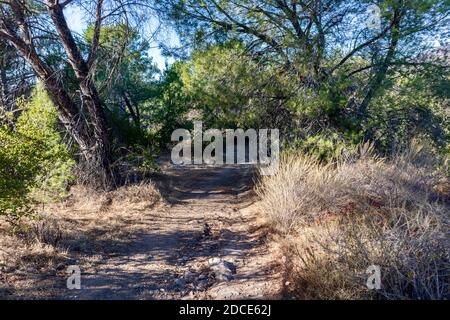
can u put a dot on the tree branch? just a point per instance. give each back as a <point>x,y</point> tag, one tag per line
<point>96,38</point>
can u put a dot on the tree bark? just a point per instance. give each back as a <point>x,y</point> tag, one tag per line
<point>3,91</point>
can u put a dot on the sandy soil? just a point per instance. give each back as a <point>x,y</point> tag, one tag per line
<point>208,215</point>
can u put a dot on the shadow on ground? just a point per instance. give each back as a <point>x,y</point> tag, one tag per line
<point>201,220</point>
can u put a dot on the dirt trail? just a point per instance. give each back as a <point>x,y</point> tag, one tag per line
<point>209,218</point>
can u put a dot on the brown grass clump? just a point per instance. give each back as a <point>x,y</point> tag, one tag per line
<point>29,253</point>
<point>341,218</point>
<point>301,189</point>
<point>133,197</point>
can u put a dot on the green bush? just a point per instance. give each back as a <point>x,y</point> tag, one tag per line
<point>34,163</point>
<point>20,163</point>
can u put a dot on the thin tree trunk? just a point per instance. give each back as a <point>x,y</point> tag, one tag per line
<point>135,114</point>
<point>381,72</point>
<point>3,82</point>
<point>3,90</point>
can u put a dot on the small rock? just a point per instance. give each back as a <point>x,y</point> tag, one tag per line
<point>224,267</point>
<point>214,261</point>
<point>202,285</point>
<point>190,276</point>
<point>203,277</point>
<point>223,276</point>
<point>180,282</point>
<point>230,266</point>
<point>224,271</point>
<point>287,283</point>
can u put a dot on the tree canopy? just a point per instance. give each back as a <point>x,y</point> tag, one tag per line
<point>328,74</point>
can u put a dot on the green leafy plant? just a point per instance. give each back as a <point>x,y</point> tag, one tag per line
<point>34,163</point>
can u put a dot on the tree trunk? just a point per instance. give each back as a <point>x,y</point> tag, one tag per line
<point>3,90</point>
<point>381,72</point>
<point>88,129</point>
<point>88,132</point>
<point>97,151</point>
<point>135,114</point>
<point>3,82</point>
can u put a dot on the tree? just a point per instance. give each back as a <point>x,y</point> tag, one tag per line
<point>125,72</point>
<point>232,89</point>
<point>34,163</point>
<point>29,26</point>
<point>319,43</point>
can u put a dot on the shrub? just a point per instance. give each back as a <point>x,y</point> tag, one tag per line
<point>34,163</point>
<point>39,120</point>
<point>298,190</point>
<point>20,163</point>
<point>360,211</point>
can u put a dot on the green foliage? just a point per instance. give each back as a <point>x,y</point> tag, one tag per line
<point>125,73</point>
<point>324,146</point>
<point>315,72</point>
<point>20,163</point>
<point>227,88</point>
<point>40,121</point>
<point>167,109</point>
<point>34,163</point>
<point>223,83</point>
<point>413,107</point>
<point>260,64</point>
<point>133,145</point>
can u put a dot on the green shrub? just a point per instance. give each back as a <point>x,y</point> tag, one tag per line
<point>34,163</point>
<point>20,163</point>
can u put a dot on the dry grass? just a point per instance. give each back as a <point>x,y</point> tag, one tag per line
<point>341,218</point>
<point>134,197</point>
<point>87,223</point>
<point>300,189</point>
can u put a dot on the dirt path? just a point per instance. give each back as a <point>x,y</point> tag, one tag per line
<point>208,242</point>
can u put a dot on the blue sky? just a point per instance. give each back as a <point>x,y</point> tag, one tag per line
<point>77,23</point>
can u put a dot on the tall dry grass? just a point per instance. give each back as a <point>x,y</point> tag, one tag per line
<point>338,219</point>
